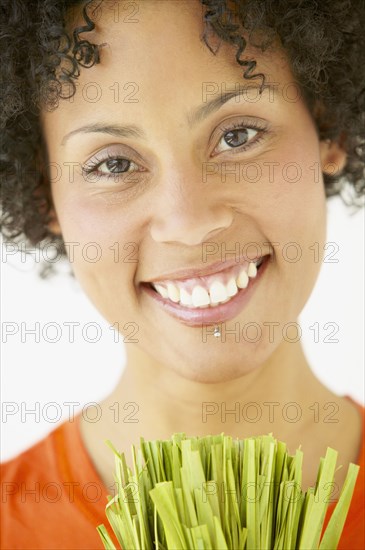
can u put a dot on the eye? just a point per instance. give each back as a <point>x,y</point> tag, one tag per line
<point>117,165</point>
<point>111,166</point>
<point>236,138</point>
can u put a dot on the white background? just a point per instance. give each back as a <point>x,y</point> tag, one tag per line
<point>33,375</point>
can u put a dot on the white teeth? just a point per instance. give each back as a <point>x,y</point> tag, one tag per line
<point>200,296</point>
<point>173,292</point>
<point>162,290</point>
<point>217,292</point>
<point>242,280</point>
<point>252,270</point>
<point>185,298</point>
<point>231,287</point>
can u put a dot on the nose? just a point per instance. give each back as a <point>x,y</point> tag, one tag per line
<point>188,211</point>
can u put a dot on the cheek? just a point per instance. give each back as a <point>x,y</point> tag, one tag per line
<point>293,220</point>
<point>102,246</point>
<point>294,192</point>
<point>92,218</point>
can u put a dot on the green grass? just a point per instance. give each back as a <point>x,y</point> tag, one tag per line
<point>217,493</point>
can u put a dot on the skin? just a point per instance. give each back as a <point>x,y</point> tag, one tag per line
<point>168,212</point>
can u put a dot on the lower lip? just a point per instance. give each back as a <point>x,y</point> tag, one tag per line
<point>209,315</point>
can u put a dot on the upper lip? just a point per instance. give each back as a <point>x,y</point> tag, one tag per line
<point>211,269</point>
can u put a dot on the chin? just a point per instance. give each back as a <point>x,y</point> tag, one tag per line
<point>218,368</point>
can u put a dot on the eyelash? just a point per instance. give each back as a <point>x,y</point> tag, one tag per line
<point>252,125</point>
<point>92,166</point>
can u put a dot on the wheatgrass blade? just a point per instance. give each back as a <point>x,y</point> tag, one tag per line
<point>179,498</point>
<point>210,496</point>
<point>205,514</point>
<point>226,516</point>
<point>310,538</point>
<point>121,522</point>
<point>253,534</point>
<point>141,505</point>
<point>214,493</point>
<point>267,493</point>
<point>167,459</point>
<point>336,523</point>
<point>190,511</point>
<point>163,497</point>
<point>219,536</point>
<point>201,539</point>
<point>105,538</point>
<point>217,474</point>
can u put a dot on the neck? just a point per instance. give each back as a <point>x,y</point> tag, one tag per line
<point>257,402</point>
<point>281,397</point>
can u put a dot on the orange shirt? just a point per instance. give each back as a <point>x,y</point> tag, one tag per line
<point>53,498</point>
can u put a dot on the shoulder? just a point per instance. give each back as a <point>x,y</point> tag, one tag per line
<point>34,474</point>
<point>33,463</point>
<point>26,486</point>
<point>50,495</point>
<point>353,535</point>
<point>56,457</point>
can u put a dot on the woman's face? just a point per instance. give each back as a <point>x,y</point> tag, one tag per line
<point>189,193</point>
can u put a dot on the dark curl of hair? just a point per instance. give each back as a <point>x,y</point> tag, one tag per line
<point>40,61</point>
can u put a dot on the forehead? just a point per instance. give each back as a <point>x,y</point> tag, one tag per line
<point>153,56</point>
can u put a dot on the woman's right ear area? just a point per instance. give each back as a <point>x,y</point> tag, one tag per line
<point>333,153</point>
<point>333,157</point>
<point>43,199</point>
<point>52,223</point>
<point>51,218</point>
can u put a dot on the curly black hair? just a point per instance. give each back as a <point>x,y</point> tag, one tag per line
<point>324,41</point>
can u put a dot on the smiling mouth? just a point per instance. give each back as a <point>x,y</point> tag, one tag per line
<point>209,291</point>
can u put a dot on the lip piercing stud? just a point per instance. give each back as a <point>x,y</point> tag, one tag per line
<point>216,332</point>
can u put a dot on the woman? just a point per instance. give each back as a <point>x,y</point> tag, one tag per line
<point>191,146</point>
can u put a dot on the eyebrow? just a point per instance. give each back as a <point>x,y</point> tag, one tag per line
<point>196,115</point>
<point>112,129</point>
<point>203,111</point>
